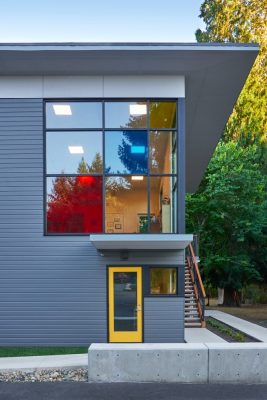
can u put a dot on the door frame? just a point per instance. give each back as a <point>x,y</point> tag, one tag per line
<point>128,268</point>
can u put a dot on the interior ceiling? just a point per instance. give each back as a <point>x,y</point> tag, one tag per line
<point>214,76</point>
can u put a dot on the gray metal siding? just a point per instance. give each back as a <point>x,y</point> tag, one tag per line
<point>52,288</point>
<point>163,319</point>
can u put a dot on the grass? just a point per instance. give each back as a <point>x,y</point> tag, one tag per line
<point>40,351</point>
<point>226,330</point>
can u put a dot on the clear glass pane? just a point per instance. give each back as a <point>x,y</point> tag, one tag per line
<point>126,114</point>
<point>74,204</point>
<point>162,152</point>
<point>125,301</point>
<point>162,206</point>
<point>163,114</point>
<point>74,152</point>
<point>163,281</point>
<point>126,204</point>
<point>60,115</point>
<point>126,152</point>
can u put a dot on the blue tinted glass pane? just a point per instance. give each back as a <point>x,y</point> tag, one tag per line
<point>60,115</point>
<point>74,152</point>
<point>126,152</point>
<point>126,114</point>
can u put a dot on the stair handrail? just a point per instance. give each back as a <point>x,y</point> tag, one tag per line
<point>193,257</point>
<point>198,284</point>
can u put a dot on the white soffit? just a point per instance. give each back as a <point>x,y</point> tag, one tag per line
<point>92,86</point>
<point>140,241</point>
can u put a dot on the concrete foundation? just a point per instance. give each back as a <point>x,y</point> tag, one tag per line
<point>148,362</point>
<point>234,362</point>
<point>181,362</point>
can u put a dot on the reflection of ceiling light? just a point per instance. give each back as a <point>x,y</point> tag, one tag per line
<point>138,109</point>
<point>76,149</point>
<point>62,109</point>
<point>138,149</point>
<point>137,178</point>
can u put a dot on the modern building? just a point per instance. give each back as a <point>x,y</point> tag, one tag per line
<point>98,145</point>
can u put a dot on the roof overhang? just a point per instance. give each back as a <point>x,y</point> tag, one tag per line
<point>141,241</point>
<point>214,76</point>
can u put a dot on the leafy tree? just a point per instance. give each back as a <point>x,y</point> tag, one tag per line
<point>229,212</point>
<point>242,21</point>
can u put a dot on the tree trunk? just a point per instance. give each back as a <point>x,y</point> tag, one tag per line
<point>231,298</point>
<point>220,296</point>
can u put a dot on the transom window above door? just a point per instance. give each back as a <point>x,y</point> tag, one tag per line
<point>111,166</point>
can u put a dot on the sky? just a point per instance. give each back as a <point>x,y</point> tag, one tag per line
<point>99,20</point>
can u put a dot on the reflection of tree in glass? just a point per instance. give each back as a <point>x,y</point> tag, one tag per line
<point>95,167</point>
<point>134,161</point>
<point>114,184</point>
<point>137,121</point>
<point>155,151</point>
<point>75,203</point>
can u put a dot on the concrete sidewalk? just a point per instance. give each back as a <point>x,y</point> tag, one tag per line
<point>201,335</point>
<point>31,363</point>
<point>253,330</point>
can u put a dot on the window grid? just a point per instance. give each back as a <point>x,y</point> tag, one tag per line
<point>104,174</point>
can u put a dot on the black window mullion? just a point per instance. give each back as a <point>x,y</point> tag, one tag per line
<point>148,167</point>
<point>104,168</point>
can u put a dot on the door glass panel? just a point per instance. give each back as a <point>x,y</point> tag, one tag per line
<point>125,301</point>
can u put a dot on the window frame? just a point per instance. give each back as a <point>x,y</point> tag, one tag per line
<point>171,175</point>
<point>179,280</point>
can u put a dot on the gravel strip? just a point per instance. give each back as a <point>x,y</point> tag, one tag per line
<point>46,375</point>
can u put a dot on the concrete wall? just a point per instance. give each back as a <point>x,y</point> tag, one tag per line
<point>190,362</point>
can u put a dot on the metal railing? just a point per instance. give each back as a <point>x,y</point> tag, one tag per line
<point>197,283</point>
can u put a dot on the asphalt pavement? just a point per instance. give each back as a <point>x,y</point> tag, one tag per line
<point>130,391</point>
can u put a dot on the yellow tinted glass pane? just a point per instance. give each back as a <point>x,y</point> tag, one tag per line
<point>163,281</point>
<point>163,114</point>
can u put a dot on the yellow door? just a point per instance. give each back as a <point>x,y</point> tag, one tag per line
<point>125,304</point>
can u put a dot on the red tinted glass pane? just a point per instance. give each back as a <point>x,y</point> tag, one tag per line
<point>74,204</point>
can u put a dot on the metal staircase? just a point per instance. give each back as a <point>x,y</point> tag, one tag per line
<point>194,293</point>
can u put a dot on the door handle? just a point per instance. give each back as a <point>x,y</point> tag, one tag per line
<point>138,308</point>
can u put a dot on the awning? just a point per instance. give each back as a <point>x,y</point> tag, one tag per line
<point>140,241</point>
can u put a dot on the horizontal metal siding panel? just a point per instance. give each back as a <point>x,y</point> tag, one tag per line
<point>163,320</point>
<point>52,289</point>
<point>147,257</point>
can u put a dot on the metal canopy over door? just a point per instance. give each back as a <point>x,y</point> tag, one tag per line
<point>125,304</point>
